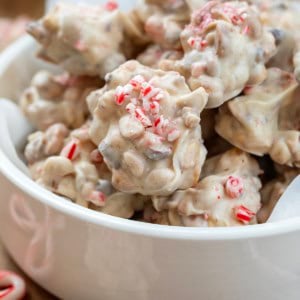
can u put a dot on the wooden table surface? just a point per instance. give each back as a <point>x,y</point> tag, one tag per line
<point>13,8</point>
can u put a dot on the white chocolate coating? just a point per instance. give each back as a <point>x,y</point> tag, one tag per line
<point>84,40</point>
<point>164,21</point>
<point>154,55</point>
<point>226,48</point>
<point>78,174</point>
<point>226,195</point>
<point>44,144</point>
<point>123,205</point>
<point>171,217</point>
<point>266,119</point>
<point>146,123</point>
<point>282,17</point>
<point>57,99</point>
<point>134,148</point>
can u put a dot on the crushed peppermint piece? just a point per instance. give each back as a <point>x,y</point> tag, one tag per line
<point>80,46</point>
<point>62,79</point>
<point>146,89</point>
<point>144,105</point>
<point>243,214</point>
<point>137,81</point>
<point>246,30</point>
<point>154,107</point>
<point>122,93</point>
<point>197,43</point>
<point>96,156</point>
<point>234,187</point>
<point>130,108</point>
<point>71,150</point>
<point>140,115</point>
<point>98,198</point>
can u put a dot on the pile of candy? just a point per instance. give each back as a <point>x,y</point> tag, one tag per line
<point>178,112</point>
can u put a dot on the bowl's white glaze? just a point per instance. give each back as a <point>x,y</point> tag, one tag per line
<point>80,254</point>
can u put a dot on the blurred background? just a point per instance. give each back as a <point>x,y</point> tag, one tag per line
<point>14,16</point>
<point>13,8</point>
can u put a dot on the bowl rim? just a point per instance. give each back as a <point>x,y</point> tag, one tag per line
<point>32,189</point>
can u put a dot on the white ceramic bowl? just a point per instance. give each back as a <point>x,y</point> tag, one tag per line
<point>77,253</point>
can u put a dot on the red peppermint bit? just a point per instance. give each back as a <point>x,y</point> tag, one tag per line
<point>120,98</point>
<point>191,41</point>
<point>140,115</point>
<point>80,46</point>
<point>98,198</point>
<point>243,214</point>
<point>157,122</point>
<point>246,30</point>
<point>163,127</point>
<point>202,18</point>
<point>158,97</point>
<point>243,16</point>
<point>154,107</point>
<point>247,89</point>
<point>122,92</point>
<point>146,90</point>
<point>62,79</point>
<point>130,108</point>
<point>197,43</point>
<point>137,81</point>
<point>234,20</point>
<point>237,19</point>
<point>96,156</point>
<point>207,20</point>
<point>111,5</point>
<point>204,43</point>
<point>234,187</point>
<point>71,150</point>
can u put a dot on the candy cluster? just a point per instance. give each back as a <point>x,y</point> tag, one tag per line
<point>145,122</point>
<point>180,113</point>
